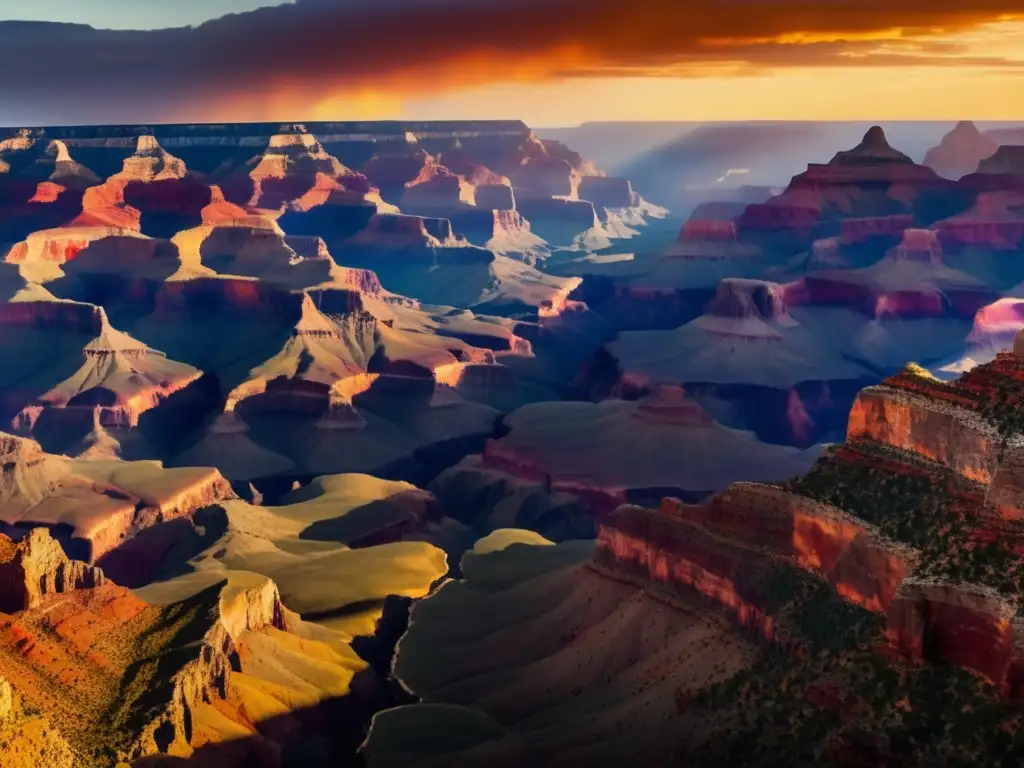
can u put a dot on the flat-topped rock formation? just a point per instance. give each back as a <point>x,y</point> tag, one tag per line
<point>439,189</point>
<point>665,289</point>
<point>912,280</point>
<point>747,337</point>
<point>569,447</point>
<point>93,507</point>
<point>990,220</point>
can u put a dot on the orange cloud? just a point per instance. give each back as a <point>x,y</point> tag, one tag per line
<point>279,62</point>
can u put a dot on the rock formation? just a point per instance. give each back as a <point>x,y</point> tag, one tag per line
<point>567,447</point>
<point>747,348</point>
<point>882,583</point>
<point>36,567</point>
<point>871,180</point>
<point>95,507</point>
<point>912,280</point>
<point>960,151</point>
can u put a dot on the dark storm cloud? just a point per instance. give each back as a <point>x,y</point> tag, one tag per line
<point>268,63</point>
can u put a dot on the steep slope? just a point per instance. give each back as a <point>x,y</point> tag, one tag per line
<point>59,382</point>
<point>850,615</point>
<point>122,679</point>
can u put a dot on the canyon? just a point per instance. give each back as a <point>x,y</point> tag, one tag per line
<point>436,444</point>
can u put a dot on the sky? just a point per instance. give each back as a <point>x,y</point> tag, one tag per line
<point>548,62</point>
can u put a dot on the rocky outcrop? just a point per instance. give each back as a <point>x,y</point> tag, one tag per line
<point>317,372</point>
<point>461,163</point>
<point>119,379</point>
<point>995,222</point>
<point>297,171</point>
<point>36,567</point>
<point>671,556</point>
<point>608,192</point>
<point>96,508</point>
<point>1005,161</point>
<point>390,171</point>
<point>965,625</point>
<point>910,281</point>
<point>749,529</point>
<point>933,551</point>
<point>940,426</point>
<point>437,188</point>
<point>545,176</point>
<point>503,231</point>
<point>563,221</point>
<point>59,246</point>
<point>870,181</point>
<point>399,230</point>
<point>205,675</point>
<point>151,162</point>
<point>960,151</point>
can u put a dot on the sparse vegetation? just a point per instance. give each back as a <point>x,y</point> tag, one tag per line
<point>931,510</point>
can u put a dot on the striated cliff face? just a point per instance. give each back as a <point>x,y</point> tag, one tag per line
<point>206,676</point>
<point>752,528</point>
<point>36,567</point>
<point>944,429</point>
<point>917,520</point>
<point>119,678</point>
<point>966,625</point>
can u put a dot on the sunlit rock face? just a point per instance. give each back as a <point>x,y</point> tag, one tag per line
<point>913,429</point>
<point>438,188</point>
<point>546,176</point>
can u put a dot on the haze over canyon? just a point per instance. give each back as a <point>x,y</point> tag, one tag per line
<point>511,383</point>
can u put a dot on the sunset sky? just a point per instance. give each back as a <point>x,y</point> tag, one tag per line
<point>548,62</point>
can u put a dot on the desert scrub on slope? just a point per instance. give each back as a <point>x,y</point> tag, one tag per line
<point>921,511</point>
